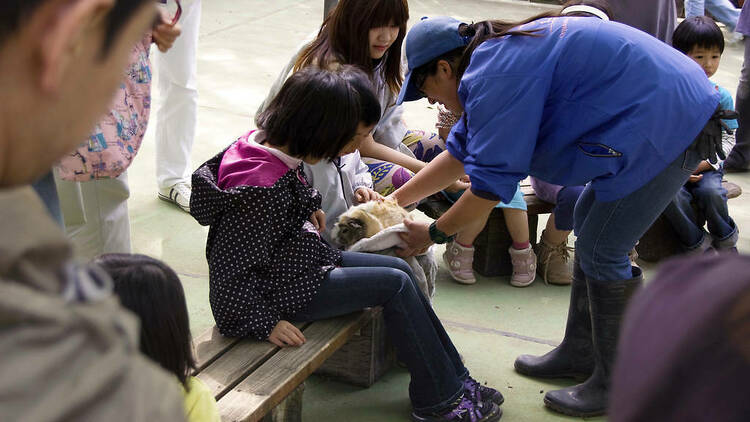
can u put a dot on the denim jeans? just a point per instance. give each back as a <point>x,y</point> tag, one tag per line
<point>711,200</point>
<point>607,231</point>
<point>367,280</point>
<point>723,10</point>
<point>739,158</point>
<point>565,207</point>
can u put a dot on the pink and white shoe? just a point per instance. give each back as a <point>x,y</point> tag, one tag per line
<point>459,260</point>
<point>524,266</point>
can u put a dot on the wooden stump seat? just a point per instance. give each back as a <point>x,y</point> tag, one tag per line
<point>491,257</point>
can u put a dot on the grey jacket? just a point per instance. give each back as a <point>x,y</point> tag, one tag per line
<point>337,181</point>
<point>657,17</point>
<point>69,351</point>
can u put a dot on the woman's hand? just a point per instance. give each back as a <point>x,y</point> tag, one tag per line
<point>417,238</point>
<point>318,219</point>
<point>164,33</point>
<point>285,334</point>
<point>365,194</point>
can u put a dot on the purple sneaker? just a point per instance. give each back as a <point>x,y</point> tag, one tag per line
<point>466,411</point>
<point>480,393</point>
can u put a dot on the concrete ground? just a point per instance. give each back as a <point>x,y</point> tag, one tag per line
<point>243,45</point>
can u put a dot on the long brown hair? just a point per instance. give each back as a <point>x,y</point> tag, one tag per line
<point>344,38</point>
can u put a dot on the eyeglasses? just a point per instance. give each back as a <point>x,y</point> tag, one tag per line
<point>419,78</point>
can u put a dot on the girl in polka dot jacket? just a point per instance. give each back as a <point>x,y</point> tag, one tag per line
<point>268,264</point>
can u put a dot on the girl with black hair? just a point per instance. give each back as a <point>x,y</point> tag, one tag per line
<point>150,289</point>
<point>268,264</point>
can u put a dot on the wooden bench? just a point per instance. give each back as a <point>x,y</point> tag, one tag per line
<point>661,241</point>
<point>257,381</point>
<point>491,257</point>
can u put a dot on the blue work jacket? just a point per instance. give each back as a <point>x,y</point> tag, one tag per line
<point>583,101</point>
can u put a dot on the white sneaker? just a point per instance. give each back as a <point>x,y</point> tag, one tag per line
<point>178,194</point>
<point>734,38</point>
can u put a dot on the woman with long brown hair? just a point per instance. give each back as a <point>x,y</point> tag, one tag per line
<point>369,34</point>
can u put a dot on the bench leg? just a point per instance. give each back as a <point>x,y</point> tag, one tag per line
<point>289,410</point>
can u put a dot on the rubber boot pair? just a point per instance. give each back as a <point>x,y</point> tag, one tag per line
<point>588,349</point>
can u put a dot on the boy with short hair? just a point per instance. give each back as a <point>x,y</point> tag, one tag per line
<point>701,39</point>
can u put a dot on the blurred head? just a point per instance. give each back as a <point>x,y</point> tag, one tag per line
<point>361,33</point>
<point>151,290</point>
<point>60,62</point>
<point>321,114</point>
<point>701,39</point>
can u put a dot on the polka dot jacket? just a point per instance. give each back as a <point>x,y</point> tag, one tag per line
<point>266,261</point>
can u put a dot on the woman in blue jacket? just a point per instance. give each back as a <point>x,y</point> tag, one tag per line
<point>570,100</point>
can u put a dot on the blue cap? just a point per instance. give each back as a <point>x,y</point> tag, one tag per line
<point>428,39</point>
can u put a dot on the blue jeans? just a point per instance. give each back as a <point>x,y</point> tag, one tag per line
<point>723,10</point>
<point>367,280</point>
<point>565,207</point>
<point>711,200</point>
<point>607,231</point>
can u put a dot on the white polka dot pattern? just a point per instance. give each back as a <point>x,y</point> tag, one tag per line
<point>264,262</point>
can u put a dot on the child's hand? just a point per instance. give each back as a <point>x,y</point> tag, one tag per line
<point>285,334</point>
<point>695,178</point>
<point>164,33</point>
<point>364,194</point>
<point>318,219</point>
<point>703,166</point>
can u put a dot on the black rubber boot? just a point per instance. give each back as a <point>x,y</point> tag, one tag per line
<point>574,357</point>
<point>607,301</point>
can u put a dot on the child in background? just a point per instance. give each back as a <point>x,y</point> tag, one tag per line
<point>151,290</point>
<point>701,39</point>
<point>343,182</point>
<point>459,253</point>
<point>268,264</point>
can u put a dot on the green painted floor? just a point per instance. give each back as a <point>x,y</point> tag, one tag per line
<point>243,45</point>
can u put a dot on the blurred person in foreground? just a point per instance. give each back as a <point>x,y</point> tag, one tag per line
<point>684,353</point>
<point>69,351</point>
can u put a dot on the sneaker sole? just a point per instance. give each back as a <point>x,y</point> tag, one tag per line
<point>458,280</point>
<point>521,284</point>
<point>493,417</point>
<point>172,201</point>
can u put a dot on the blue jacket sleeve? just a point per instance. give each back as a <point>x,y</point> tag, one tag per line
<point>497,136</point>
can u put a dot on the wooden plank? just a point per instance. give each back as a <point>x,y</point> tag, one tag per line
<point>209,345</point>
<point>290,409</point>
<point>236,363</point>
<point>286,369</point>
